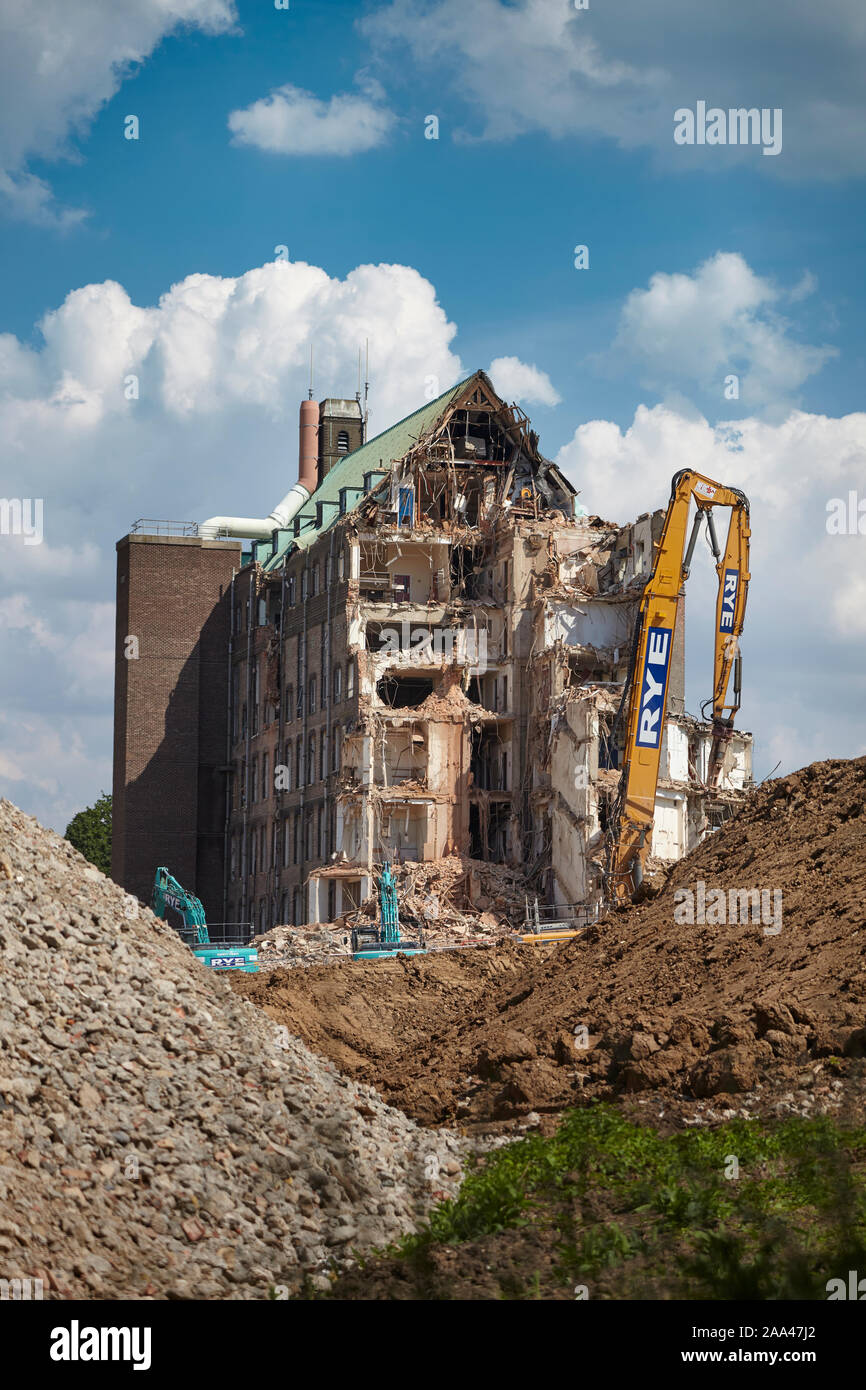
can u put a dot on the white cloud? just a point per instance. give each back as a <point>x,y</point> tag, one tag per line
<point>698,329</point>
<point>518,381</point>
<point>61,62</point>
<point>619,72</point>
<point>292,121</point>
<point>222,365</point>
<point>803,647</point>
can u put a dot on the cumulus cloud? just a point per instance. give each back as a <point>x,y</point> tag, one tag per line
<point>518,381</point>
<point>698,329</point>
<point>619,72</point>
<point>182,409</point>
<point>59,63</point>
<point>292,121</point>
<point>803,640</point>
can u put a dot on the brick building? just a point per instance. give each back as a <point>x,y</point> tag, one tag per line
<point>419,656</point>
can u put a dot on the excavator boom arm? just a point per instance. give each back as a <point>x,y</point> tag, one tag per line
<point>647,685</point>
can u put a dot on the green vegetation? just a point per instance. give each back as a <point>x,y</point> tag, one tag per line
<point>90,832</point>
<point>749,1209</point>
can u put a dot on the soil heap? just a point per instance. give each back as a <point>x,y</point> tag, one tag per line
<point>645,1001</point>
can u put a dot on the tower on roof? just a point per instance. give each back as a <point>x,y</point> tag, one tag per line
<point>341,431</point>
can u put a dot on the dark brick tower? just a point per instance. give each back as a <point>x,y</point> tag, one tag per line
<point>171,709</point>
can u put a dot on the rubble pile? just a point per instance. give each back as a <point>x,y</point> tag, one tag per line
<point>303,946</point>
<point>458,900</point>
<point>159,1136</point>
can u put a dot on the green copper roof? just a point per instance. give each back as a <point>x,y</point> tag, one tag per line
<point>376,454</point>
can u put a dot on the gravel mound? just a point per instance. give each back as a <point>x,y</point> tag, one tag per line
<point>159,1136</point>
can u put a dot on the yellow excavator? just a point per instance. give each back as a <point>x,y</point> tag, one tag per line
<point>644,700</point>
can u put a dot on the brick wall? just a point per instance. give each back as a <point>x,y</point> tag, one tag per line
<point>170,713</point>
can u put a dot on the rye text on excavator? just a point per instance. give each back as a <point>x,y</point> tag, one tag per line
<point>644,699</point>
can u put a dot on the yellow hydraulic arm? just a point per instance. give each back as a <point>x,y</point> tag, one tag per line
<point>646,691</point>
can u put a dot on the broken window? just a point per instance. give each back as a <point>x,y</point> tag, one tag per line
<point>489,761</point>
<point>404,692</point>
<point>488,831</point>
<point>405,506</point>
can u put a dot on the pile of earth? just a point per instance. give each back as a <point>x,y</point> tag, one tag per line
<point>645,1003</point>
<point>159,1137</point>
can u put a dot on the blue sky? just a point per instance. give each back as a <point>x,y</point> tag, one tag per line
<point>555,129</point>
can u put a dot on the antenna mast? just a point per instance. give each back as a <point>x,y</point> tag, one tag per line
<point>310,392</point>
<point>366,381</point>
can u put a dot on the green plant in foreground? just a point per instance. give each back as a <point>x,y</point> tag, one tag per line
<point>611,1194</point>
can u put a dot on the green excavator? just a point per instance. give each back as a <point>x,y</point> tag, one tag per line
<point>218,953</point>
<point>384,939</point>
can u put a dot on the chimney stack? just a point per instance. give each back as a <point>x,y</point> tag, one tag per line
<point>308,453</point>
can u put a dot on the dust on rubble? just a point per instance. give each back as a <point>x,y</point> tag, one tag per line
<point>693,1020</point>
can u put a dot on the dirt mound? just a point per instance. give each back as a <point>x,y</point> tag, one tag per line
<point>764,992</point>
<point>158,1136</point>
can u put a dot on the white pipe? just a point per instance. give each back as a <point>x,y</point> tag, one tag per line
<point>249,528</point>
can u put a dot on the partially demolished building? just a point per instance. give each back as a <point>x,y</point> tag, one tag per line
<point>426,661</point>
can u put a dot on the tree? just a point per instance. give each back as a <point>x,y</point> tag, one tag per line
<point>90,833</point>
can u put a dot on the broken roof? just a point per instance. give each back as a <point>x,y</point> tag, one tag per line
<point>370,457</point>
<point>377,455</point>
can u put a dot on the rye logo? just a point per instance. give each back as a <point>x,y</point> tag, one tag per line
<point>729,600</point>
<point>655,678</point>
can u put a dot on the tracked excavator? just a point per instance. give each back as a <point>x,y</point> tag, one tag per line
<point>222,954</point>
<point>380,940</point>
<point>644,700</point>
